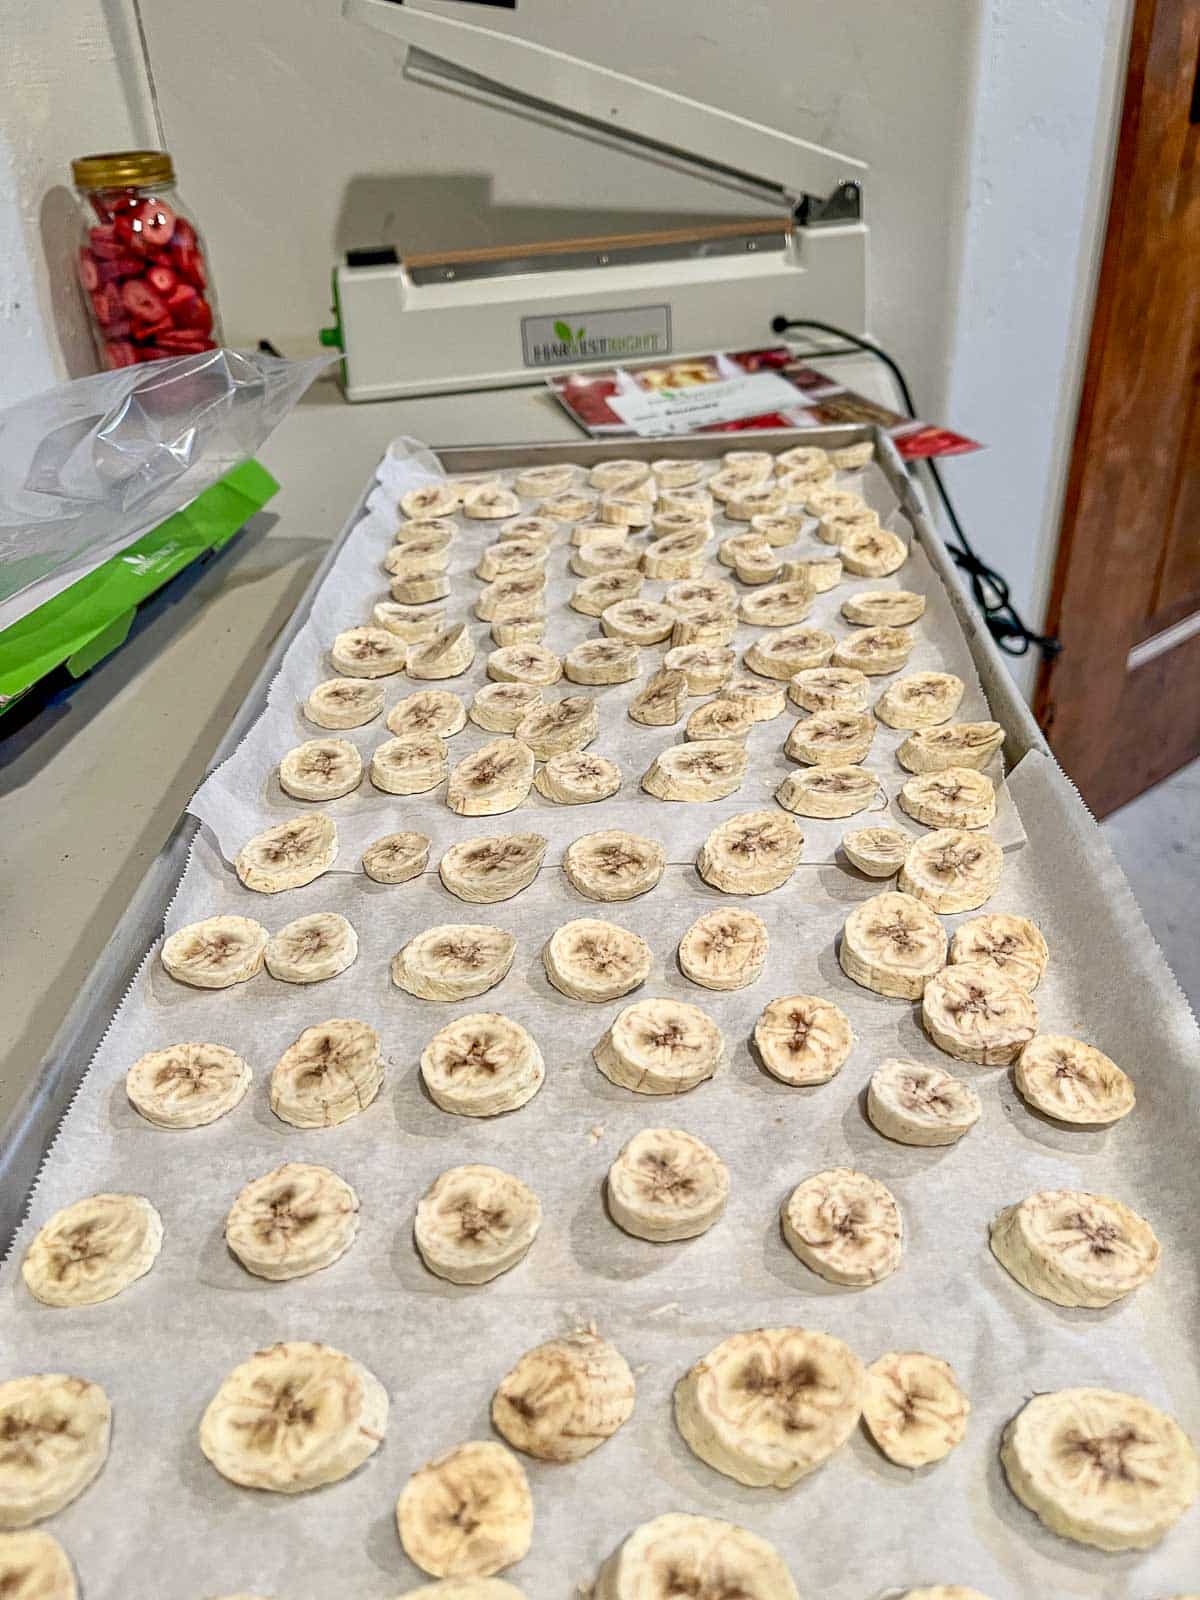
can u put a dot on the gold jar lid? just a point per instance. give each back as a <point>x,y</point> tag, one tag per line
<point>123,169</point>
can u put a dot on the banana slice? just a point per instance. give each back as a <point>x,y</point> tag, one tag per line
<point>752,853</point>
<point>186,1085</point>
<point>845,1226</point>
<point>956,744</point>
<point>821,573</point>
<point>481,1065</point>
<point>288,854</point>
<point>807,459</point>
<point>499,707</point>
<point>568,507</point>
<point>660,1047</point>
<point>892,944</point>
<point>778,605</point>
<point>959,797</point>
<point>467,1514</point>
<point>34,1566</point>
<point>681,519</point>
<point>852,457</point>
<point>667,1185</point>
<point>745,547</point>
<point>367,653</point>
<point>677,555</point>
<point>491,504</point>
<point>418,558</point>
<point>719,719</point>
<point>543,530</point>
<point>506,597</point>
<point>55,1430</point>
<point>831,738</point>
<point>660,702</point>
<point>90,1251</point>
<point>1013,945</point>
<point>473,1223</point>
<point>836,527</point>
<point>740,470</point>
<point>919,1105</point>
<point>1073,1082</point>
<point>1100,1467</point>
<point>777,527</point>
<point>446,655</point>
<point>493,868</point>
<point>412,765</point>
<point>672,473</point>
<point>762,700</point>
<point>431,500</point>
<point>705,666</point>
<point>535,483</point>
<point>705,769</point>
<point>828,791</point>
<point>879,852</point>
<point>914,1408</point>
<point>428,711</point>
<point>578,780</point>
<point>493,779</point>
<point>397,857</point>
<point>328,1075</point>
<point>410,623</point>
<point>614,865</point>
<point>976,1014</point>
<point>313,947</point>
<point>509,556</point>
<point>795,650</point>
<point>524,663</point>
<point>803,1040</point>
<point>712,625</point>
<point>419,588</point>
<point>602,661</point>
<point>875,651</point>
<point>612,476</point>
<point>951,870</point>
<point>559,728</point>
<point>694,498</point>
<point>686,1555</point>
<point>564,1398</point>
<point>823,501</point>
<point>760,500</point>
<point>344,703</point>
<point>593,596</point>
<point>921,700</point>
<point>701,594</point>
<point>293,1417</point>
<point>598,559</point>
<point>625,511</point>
<point>770,1406</point>
<point>884,608</point>
<point>593,960</point>
<point>293,1221</point>
<point>454,961</point>
<point>216,953</point>
<point>872,552</point>
<point>639,621</point>
<point>1075,1249</point>
<point>601,533</point>
<point>444,528</point>
<point>320,769</point>
<point>724,949</point>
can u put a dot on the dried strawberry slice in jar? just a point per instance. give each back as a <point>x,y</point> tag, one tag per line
<point>161,278</point>
<point>108,304</point>
<point>103,242</point>
<point>141,301</point>
<point>154,224</point>
<point>89,271</point>
<point>184,341</point>
<point>120,353</point>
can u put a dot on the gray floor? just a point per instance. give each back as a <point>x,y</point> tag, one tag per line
<point>1156,838</point>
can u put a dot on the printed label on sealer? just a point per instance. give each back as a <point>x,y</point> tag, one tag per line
<point>570,337</point>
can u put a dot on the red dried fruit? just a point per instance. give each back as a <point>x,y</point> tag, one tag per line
<point>104,243</point>
<point>161,278</point>
<point>120,353</point>
<point>155,223</point>
<point>184,341</point>
<point>150,330</point>
<point>140,299</point>
<point>108,305</point>
<point>89,271</point>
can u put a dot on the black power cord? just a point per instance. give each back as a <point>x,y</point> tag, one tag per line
<point>987,585</point>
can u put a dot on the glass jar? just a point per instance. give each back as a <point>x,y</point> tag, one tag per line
<point>141,261</point>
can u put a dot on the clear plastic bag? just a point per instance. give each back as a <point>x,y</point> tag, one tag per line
<point>87,468</point>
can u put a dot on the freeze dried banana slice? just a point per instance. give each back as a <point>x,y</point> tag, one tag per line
<point>921,700</point>
<point>510,556</point>
<point>482,1065</point>
<point>494,868</point>
<point>795,650</point>
<point>762,700</point>
<point>694,498</point>
<point>293,1417</point>
<point>293,1221</point>
<point>872,552</point>
<point>660,1047</point>
<point>473,1223</point>
<point>952,870</point>
<point>186,1085</point>
<point>344,703</point>
<point>770,1406</point>
<point>418,558</point>
<point>884,608</point>
<point>778,605</point>
<point>660,701</point>
<point>592,596</point>
<point>428,711</point>
<point>289,854</point>
<point>91,1250</point>
<point>915,1104</point>
<point>367,653</point>
<point>823,500</point>
<point>959,797</point>
<point>593,960</point>
<point>701,594</point>
<point>454,961</point>
<point>1075,1249</point>
<point>443,528</point>
<point>602,661</point>
<point>759,464</point>
<point>761,499</point>
<point>752,853</point>
<point>957,744</point>
<point>526,626</point>
<point>706,667</point>
<point>56,1431</point>
<point>1100,1467</point>
<point>625,511</point>
<point>431,500</point>
<point>777,527</point>
<point>719,719</point>
<point>677,555</point>
<point>705,769</point>
<point>712,625</point>
<point>834,527</point>
<point>914,1407</point>
<point>559,728</point>
<point>446,655</point>
<point>678,519</point>
<point>879,852</point>
<point>568,507</point>
<point>820,573</point>
<point>491,504</point>
<point>846,1226</point>
<point>320,769</point>
<point>679,1554</point>
<point>1013,945</point>
<point>614,865</point>
<point>802,1039</point>
<point>499,707</point>
<point>975,1014</point>
<point>563,1399</point>
<point>611,476</point>
<point>524,663</point>
<point>541,530</point>
<point>408,622</point>
<point>875,651</point>
<point>495,778</point>
<point>673,473</point>
<point>736,479</point>
<point>216,953</point>
<point>667,1185</point>
<point>409,766</point>
<point>328,1075</point>
<point>397,857</point>
<point>829,689</point>
<point>34,1566</point>
<point>724,949</point>
<point>419,588</point>
<point>803,458</point>
<point>598,559</point>
<point>469,1513</point>
<point>1073,1082</point>
<point>828,791</point>
<point>831,738</point>
<point>852,457</point>
<point>578,779</point>
<point>639,621</point>
<point>506,597</point>
<point>534,483</point>
<point>892,944</point>
<point>311,948</point>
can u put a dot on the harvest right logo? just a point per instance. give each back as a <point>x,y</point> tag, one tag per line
<point>597,336</point>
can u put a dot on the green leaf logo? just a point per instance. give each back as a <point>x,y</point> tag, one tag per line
<point>564,332</point>
<point>579,333</point>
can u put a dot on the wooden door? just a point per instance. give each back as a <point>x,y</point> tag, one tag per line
<point>1121,704</point>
